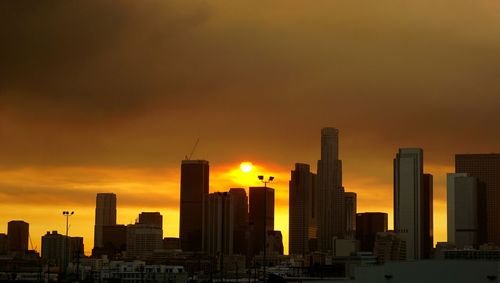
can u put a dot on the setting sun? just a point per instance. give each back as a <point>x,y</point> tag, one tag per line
<point>246,166</point>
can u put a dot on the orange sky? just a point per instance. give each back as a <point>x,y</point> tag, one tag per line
<point>109,96</point>
<point>47,192</point>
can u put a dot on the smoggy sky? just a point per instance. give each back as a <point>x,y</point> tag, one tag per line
<point>109,96</point>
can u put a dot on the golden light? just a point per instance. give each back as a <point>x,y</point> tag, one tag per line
<point>246,166</point>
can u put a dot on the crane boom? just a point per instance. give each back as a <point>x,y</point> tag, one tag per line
<point>188,157</point>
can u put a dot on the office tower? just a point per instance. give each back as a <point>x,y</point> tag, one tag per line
<point>194,192</point>
<point>368,224</point>
<point>331,204</point>
<point>142,240</point>
<point>239,203</point>
<point>462,208</point>
<point>53,245</point>
<point>350,213</point>
<point>302,210</point>
<point>114,240</point>
<point>486,168</point>
<point>261,217</point>
<point>427,216</point>
<point>3,244</point>
<point>17,236</point>
<point>105,214</point>
<point>389,246</point>
<point>219,234</point>
<point>274,243</point>
<point>151,218</point>
<point>412,202</point>
<point>170,243</point>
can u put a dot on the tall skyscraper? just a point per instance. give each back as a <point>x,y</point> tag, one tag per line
<point>53,246</point>
<point>368,224</point>
<point>219,228</point>
<point>193,211</point>
<point>151,218</point>
<point>427,212</point>
<point>462,208</point>
<point>17,236</point>
<point>239,203</point>
<point>331,204</point>
<point>105,214</point>
<point>261,217</point>
<point>486,168</point>
<point>302,209</point>
<point>350,213</point>
<point>412,201</point>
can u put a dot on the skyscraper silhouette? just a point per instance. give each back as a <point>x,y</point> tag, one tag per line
<point>239,203</point>
<point>350,213</point>
<point>413,203</point>
<point>486,168</point>
<point>105,214</point>
<point>368,224</point>
<point>261,217</point>
<point>193,212</point>
<point>302,209</point>
<point>17,236</point>
<point>219,227</point>
<point>151,218</point>
<point>331,203</point>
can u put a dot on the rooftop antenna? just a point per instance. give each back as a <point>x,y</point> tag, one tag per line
<point>188,157</point>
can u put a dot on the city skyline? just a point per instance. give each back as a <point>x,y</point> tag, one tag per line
<point>120,103</point>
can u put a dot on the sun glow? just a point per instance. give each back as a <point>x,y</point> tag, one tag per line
<point>246,166</point>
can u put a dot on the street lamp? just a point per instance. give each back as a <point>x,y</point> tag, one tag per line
<point>66,214</point>
<point>263,180</point>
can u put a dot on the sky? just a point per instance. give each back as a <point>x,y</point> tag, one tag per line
<point>109,96</point>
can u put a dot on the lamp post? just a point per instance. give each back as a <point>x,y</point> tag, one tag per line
<point>66,214</point>
<point>269,180</point>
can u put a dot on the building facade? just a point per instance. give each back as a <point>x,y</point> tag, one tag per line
<point>368,225</point>
<point>261,217</point>
<point>239,204</point>
<point>302,210</point>
<point>193,212</point>
<point>219,228</point>
<point>17,236</point>
<point>105,214</point>
<point>331,204</point>
<point>350,213</point>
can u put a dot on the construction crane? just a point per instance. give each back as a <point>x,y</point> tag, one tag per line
<point>31,244</point>
<point>188,157</point>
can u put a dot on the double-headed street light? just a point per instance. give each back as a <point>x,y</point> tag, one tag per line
<point>66,214</point>
<point>263,180</point>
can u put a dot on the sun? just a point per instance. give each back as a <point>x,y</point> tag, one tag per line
<point>246,166</point>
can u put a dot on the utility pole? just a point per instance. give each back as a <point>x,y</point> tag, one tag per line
<point>67,214</point>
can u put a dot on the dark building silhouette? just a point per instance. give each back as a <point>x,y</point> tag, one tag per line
<point>331,204</point>
<point>17,236</point>
<point>3,244</point>
<point>368,224</point>
<point>413,203</point>
<point>194,193</point>
<point>143,240</point>
<point>54,247</point>
<point>105,215</point>
<point>302,210</point>
<point>350,213</point>
<point>389,247</point>
<point>151,218</point>
<point>274,243</point>
<point>170,243</point>
<point>239,204</point>
<point>114,239</point>
<point>486,168</point>
<point>219,225</point>
<point>261,217</point>
<point>427,216</point>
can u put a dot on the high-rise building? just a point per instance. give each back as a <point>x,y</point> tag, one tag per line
<point>427,212</point>
<point>350,213</point>
<point>151,218</point>
<point>389,246</point>
<point>486,168</point>
<point>53,247</point>
<point>170,243</point>
<point>193,212</point>
<point>261,217</point>
<point>219,233</point>
<point>105,214</point>
<point>330,199</point>
<point>239,203</point>
<point>368,224</point>
<point>412,202</point>
<point>302,213</point>
<point>17,236</point>
<point>142,240</point>
<point>114,239</point>
<point>274,243</point>
<point>462,208</point>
